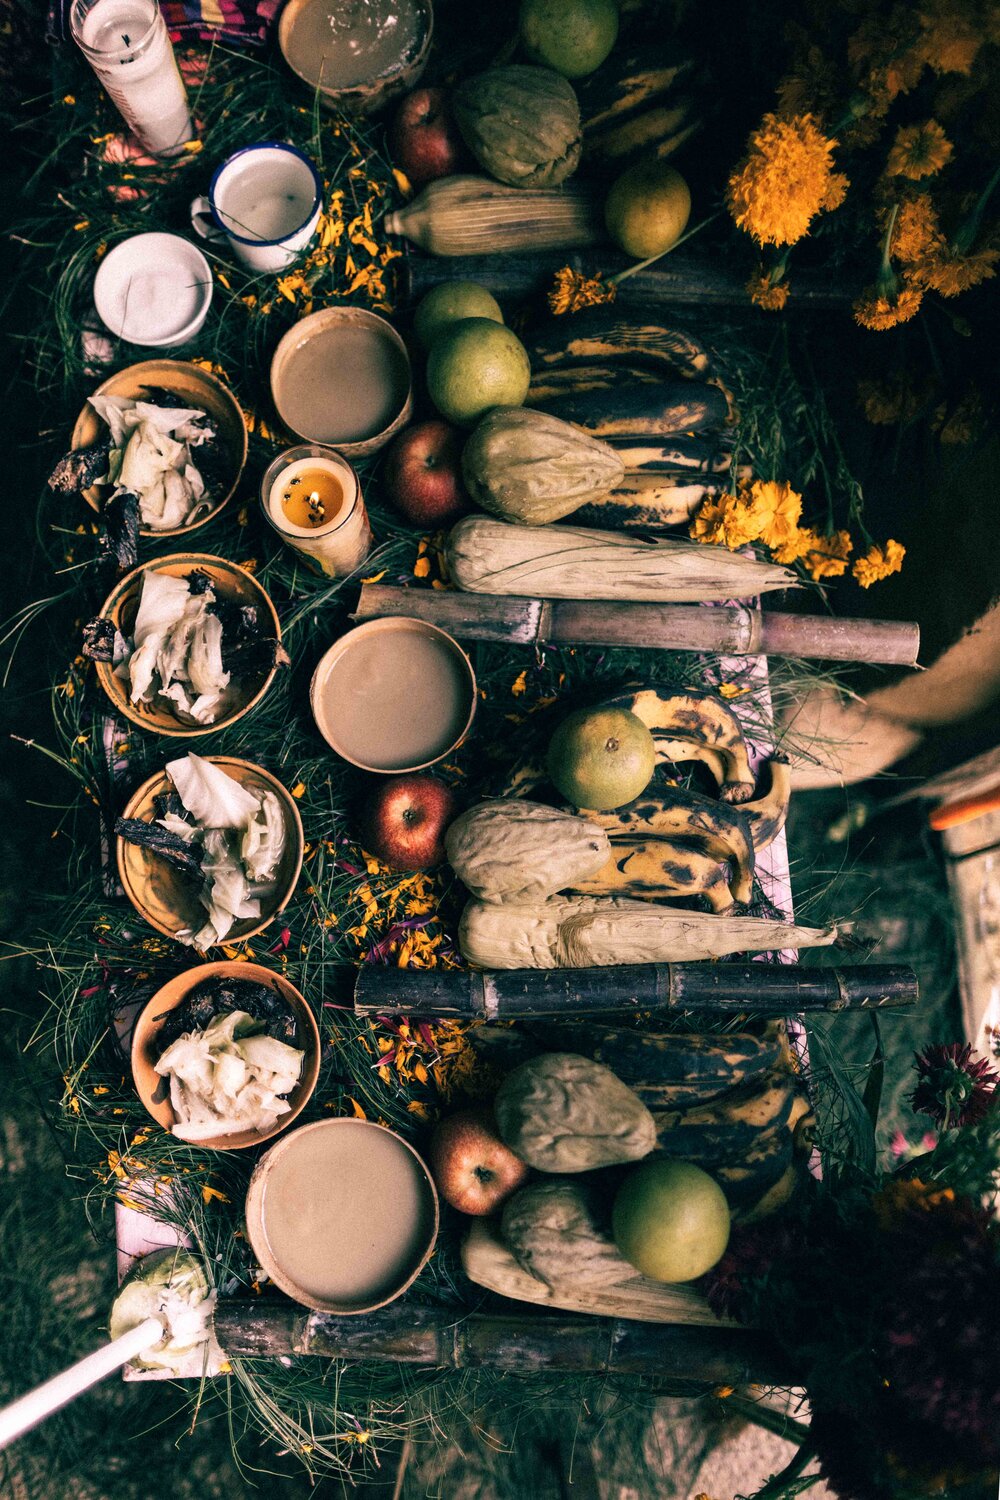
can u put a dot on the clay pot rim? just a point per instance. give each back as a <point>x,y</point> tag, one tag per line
<point>160,781</point>
<point>112,608</point>
<point>170,995</point>
<point>384,625</point>
<point>257,1234</point>
<point>374,93</point>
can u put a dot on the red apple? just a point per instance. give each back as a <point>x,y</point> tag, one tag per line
<point>423,474</point>
<point>403,822</point>
<point>423,140</point>
<point>474,1171</point>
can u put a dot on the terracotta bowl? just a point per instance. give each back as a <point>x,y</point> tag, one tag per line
<point>165,898</point>
<point>364,1192</point>
<point>228,582</point>
<point>330,321</point>
<point>195,387</point>
<point>362,98</point>
<point>334,716</point>
<point>154,1090</point>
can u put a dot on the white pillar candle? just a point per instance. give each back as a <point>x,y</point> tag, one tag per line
<point>312,498</point>
<point>127,45</point>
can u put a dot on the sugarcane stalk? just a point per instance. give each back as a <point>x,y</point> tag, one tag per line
<point>728,631</point>
<point>510,994</point>
<point>523,1344</point>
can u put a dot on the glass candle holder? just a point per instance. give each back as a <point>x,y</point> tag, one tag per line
<point>312,497</point>
<point>127,45</point>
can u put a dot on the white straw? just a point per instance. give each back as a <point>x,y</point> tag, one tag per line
<point>45,1399</point>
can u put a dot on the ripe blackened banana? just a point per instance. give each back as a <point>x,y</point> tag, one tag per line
<point>598,334</point>
<point>563,380</point>
<point>626,85</point>
<point>703,452</point>
<point>728,1130</point>
<point>694,718</point>
<point>640,504</point>
<point>776,1197</point>
<point>661,129</point>
<point>767,812</point>
<point>639,410</point>
<point>663,868</point>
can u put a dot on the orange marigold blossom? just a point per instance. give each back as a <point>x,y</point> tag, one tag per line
<point>949,273</point>
<point>571,290</point>
<point>784,181</point>
<point>765,293</point>
<point>916,232</point>
<point>919,151</point>
<point>878,310</point>
<point>878,563</point>
<point>778,509</point>
<point>825,556</point>
<point>708,525</point>
<point>950,38</point>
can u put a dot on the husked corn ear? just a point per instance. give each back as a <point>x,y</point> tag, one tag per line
<point>477,216</point>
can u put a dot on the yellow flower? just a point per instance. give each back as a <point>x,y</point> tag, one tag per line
<point>878,562</point>
<point>825,556</point>
<point>874,310</point>
<point>960,427</point>
<point>572,290</point>
<point>886,402</point>
<point>777,510</point>
<point>916,232</point>
<point>948,272</point>
<point>919,151</point>
<point>784,181</point>
<point>709,522</point>
<point>771,296</point>
<point>950,41</point>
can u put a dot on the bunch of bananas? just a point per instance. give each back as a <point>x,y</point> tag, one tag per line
<point>650,392</point>
<point>644,103</point>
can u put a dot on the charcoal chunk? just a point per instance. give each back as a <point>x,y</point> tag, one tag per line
<point>177,851</point>
<point>81,468</point>
<point>99,639</point>
<point>120,540</point>
<point>217,997</point>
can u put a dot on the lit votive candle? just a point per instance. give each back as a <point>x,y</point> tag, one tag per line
<point>127,45</point>
<point>312,498</point>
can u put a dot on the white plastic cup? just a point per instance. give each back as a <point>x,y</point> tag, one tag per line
<point>265,200</point>
<point>154,290</point>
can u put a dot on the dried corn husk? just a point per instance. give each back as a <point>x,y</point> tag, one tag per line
<point>477,216</point>
<point>584,932</point>
<point>570,562</point>
<point>506,849</point>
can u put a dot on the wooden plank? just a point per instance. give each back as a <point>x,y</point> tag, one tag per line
<point>723,631</point>
<point>523,1343</point>
<point>765,989</point>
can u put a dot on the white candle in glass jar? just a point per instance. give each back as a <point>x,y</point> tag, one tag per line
<point>127,45</point>
<point>312,498</point>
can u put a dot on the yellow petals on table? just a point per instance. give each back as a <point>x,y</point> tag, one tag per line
<point>785,180</point>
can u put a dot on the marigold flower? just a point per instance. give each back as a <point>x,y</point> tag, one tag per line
<point>963,422</point>
<point>916,232</point>
<point>949,41</point>
<point>954,1087</point>
<point>878,563</point>
<point>708,525</point>
<point>948,272</point>
<point>886,402</point>
<point>778,510</point>
<point>876,310</point>
<point>919,151</point>
<point>824,556</point>
<point>572,290</point>
<point>765,293</point>
<point>784,181</point>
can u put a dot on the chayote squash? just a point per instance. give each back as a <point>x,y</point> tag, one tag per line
<point>563,1113</point>
<point>528,467</point>
<point>521,123</point>
<point>506,849</point>
<point>553,1230</point>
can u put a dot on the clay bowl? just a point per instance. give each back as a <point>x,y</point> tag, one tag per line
<point>154,1091</point>
<point>334,715</point>
<point>228,582</point>
<point>362,1190</point>
<point>195,387</point>
<point>377,90</point>
<point>168,900</point>
<point>287,370</point>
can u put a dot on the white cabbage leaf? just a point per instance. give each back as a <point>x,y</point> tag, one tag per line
<point>213,799</point>
<point>263,843</point>
<point>229,1077</point>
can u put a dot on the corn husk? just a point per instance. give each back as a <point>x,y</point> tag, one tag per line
<point>571,562</point>
<point>477,216</point>
<point>585,932</point>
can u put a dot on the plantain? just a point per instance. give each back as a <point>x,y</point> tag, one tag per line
<point>695,718</point>
<point>596,334</point>
<point>629,84</point>
<point>667,1069</point>
<point>665,868</point>
<point>767,812</point>
<point>745,1182</point>
<point>702,453</point>
<point>562,380</point>
<point>658,131</point>
<point>729,1130</point>
<point>644,505</point>
<point>775,1198</point>
<point>637,410</point>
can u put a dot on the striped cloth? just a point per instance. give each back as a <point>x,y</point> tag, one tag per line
<point>239,23</point>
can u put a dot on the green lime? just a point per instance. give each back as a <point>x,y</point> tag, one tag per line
<point>449,303</point>
<point>671,1220</point>
<point>647,209</point>
<point>571,36</point>
<point>475,365</point>
<point>601,758</point>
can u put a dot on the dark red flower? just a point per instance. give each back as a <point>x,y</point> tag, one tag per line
<point>953,1087</point>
